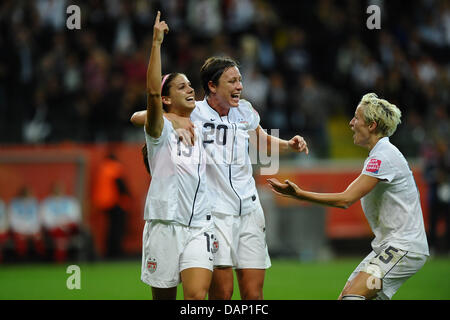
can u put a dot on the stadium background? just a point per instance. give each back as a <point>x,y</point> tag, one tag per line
<point>66,97</point>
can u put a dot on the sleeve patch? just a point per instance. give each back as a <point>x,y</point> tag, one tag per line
<point>373,166</point>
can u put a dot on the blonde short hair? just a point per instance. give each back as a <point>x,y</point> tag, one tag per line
<point>385,114</point>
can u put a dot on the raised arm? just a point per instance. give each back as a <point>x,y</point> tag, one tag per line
<point>355,191</point>
<point>154,121</point>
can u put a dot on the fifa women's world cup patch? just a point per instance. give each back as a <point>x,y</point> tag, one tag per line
<point>373,166</point>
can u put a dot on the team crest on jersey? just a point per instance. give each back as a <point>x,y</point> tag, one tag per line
<point>214,244</point>
<point>373,166</point>
<point>151,265</point>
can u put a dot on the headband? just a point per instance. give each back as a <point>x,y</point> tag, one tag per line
<point>164,80</point>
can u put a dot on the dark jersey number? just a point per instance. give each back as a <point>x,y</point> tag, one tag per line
<point>220,133</point>
<point>180,150</point>
<point>208,244</point>
<point>388,255</point>
<point>211,242</point>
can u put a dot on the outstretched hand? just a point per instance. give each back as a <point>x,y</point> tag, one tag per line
<point>287,189</point>
<point>159,29</point>
<point>298,144</point>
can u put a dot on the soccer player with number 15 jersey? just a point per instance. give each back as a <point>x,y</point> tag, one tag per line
<point>390,200</point>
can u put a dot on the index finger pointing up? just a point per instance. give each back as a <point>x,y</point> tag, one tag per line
<point>157,17</point>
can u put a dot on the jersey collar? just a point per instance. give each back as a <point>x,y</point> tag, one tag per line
<point>378,145</point>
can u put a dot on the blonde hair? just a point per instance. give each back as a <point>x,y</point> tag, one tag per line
<point>385,114</point>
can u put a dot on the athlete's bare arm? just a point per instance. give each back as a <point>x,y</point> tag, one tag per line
<point>277,145</point>
<point>154,121</point>
<point>354,192</point>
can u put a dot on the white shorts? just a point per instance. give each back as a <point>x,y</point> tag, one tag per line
<point>242,241</point>
<point>393,266</point>
<point>169,248</point>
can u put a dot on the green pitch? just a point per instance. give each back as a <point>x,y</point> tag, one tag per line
<point>285,280</point>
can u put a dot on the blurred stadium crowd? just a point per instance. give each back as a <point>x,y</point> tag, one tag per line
<point>303,63</point>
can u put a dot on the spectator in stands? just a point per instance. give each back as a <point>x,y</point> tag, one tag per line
<point>61,217</point>
<point>25,224</point>
<point>276,116</point>
<point>204,17</point>
<point>296,58</point>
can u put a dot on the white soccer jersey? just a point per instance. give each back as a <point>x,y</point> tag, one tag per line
<point>58,211</point>
<point>177,190</point>
<point>24,216</point>
<point>393,206</point>
<point>229,169</point>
